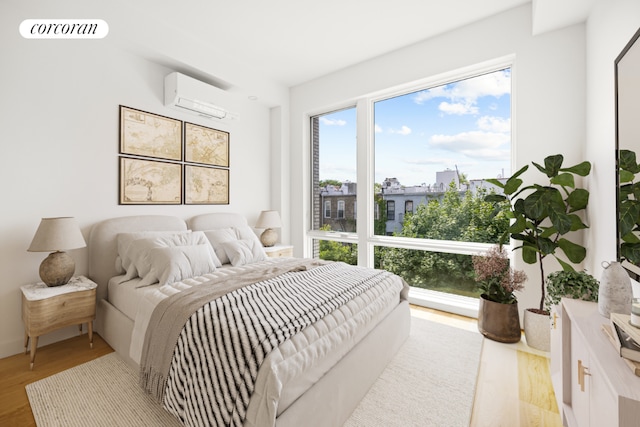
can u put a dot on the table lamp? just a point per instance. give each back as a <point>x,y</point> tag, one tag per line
<point>269,220</point>
<point>57,235</point>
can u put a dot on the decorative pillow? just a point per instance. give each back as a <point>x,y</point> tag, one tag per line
<point>246,233</point>
<point>241,252</point>
<point>175,263</point>
<point>123,262</point>
<point>139,250</point>
<point>219,236</point>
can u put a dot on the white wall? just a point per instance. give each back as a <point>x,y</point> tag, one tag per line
<point>610,26</point>
<point>59,133</point>
<point>548,97</point>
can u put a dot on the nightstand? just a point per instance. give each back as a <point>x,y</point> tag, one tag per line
<point>279,251</point>
<point>45,309</point>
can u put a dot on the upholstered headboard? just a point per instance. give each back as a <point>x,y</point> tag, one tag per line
<point>211,221</point>
<point>103,247</point>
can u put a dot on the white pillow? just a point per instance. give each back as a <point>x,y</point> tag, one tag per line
<point>175,263</point>
<point>139,250</point>
<point>246,233</point>
<point>217,237</point>
<point>123,262</point>
<point>241,252</point>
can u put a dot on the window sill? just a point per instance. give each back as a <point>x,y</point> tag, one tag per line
<point>463,306</point>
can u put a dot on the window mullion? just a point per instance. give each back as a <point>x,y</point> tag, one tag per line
<point>365,164</point>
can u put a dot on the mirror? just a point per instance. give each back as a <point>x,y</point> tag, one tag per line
<point>627,86</point>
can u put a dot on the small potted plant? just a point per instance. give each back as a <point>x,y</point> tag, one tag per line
<point>498,317</point>
<point>570,284</point>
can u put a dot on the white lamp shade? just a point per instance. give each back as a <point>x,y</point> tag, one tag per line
<point>269,219</point>
<point>57,234</point>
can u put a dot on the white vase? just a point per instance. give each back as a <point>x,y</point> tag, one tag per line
<point>615,293</point>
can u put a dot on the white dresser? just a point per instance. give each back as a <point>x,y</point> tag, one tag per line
<point>594,386</point>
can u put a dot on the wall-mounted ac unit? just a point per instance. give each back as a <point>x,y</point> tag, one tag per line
<point>188,94</point>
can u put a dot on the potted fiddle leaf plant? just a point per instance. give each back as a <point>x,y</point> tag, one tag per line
<point>543,216</point>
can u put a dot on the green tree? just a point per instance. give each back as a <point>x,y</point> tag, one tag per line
<point>380,224</point>
<point>334,182</point>
<point>338,251</point>
<point>458,217</point>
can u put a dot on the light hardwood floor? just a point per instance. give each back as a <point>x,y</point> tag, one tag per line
<point>50,359</point>
<point>514,383</point>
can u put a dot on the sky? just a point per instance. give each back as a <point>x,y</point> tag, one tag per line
<point>466,124</point>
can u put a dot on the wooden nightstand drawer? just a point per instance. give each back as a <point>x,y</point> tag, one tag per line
<point>279,251</point>
<point>45,309</point>
<point>46,315</point>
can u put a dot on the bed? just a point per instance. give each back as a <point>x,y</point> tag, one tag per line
<point>322,391</point>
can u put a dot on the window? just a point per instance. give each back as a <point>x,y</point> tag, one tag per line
<point>444,139</point>
<point>333,137</point>
<point>391,210</point>
<point>340,209</point>
<point>408,207</point>
<point>430,150</point>
<point>441,143</point>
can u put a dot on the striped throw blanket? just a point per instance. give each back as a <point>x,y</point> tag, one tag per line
<point>219,350</point>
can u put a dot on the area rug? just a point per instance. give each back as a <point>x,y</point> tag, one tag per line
<point>431,382</point>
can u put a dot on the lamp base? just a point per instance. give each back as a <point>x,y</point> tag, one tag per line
<point>57,269</point>
<point>268,238</point>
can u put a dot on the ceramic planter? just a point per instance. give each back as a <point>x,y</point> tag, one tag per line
<point>499,322</point>
<point>537,330</point>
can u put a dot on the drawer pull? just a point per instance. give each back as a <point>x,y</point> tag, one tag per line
<point>582,371</point>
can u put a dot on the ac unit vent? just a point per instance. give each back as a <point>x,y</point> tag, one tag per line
<point>186,93</point>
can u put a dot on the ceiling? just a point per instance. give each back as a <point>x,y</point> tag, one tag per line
<point>286,42</point>
<point>293,41</point>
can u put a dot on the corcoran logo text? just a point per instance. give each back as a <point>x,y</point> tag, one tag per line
<point>64,29</point>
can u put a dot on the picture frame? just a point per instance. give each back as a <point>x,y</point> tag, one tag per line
<point>149,182</point>
<point>206,185</point>
<point>206,146</point>
<point>150,135</point>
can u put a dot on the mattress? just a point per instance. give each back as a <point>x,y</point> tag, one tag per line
<point>125,296</point>
<point>298,363</point>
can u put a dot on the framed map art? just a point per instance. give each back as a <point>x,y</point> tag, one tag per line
<point>150,135</point>
<point>207,186</point>
<point>206,146</point>
<point>150,182</point>
<point>163,162</point>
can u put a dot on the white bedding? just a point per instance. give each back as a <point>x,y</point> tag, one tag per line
<point>328,402</point>
<point>298,363</point>
<point>124,295</point>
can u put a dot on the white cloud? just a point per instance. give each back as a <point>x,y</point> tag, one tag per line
<point>465,93</point>
<point>494,124</point>
<point>333,122</point>
<point>457,108</point>
<point>377,129</point>
<point>436,92</point>
<point>494,84</point>
<point>404,130</point>
<point>475,144</point>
